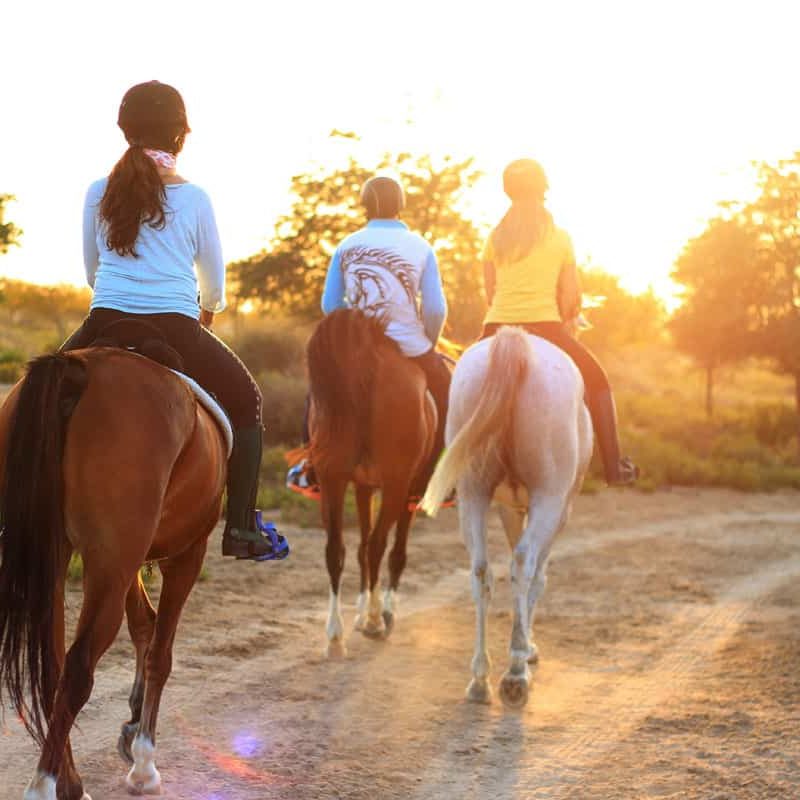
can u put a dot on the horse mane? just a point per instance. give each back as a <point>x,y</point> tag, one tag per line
<point>343,356</point>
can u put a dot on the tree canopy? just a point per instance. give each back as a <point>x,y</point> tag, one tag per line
<point>742,276</point>
<point>289,274</point>
<point>9,233</point>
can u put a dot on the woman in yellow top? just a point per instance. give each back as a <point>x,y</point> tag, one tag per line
<point>531,281</point>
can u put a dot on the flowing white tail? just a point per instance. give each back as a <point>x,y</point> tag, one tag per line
<point>483,443</point>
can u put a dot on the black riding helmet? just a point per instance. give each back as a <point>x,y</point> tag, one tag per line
<point>383,197</point>
<point>153,115</point>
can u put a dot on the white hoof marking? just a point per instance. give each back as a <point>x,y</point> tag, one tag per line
<point>479,692</point>
<point>143,777</point>
<point>335,649</point>
<point>41,787</point>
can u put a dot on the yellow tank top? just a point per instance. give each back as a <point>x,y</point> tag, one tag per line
<point>526,290</point>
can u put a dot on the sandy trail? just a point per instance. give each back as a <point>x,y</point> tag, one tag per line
<point>669,650</point>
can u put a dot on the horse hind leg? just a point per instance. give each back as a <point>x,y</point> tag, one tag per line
<point>332,502</point>
<point>473,507</point>
<point>397,563</point>
<point>100,619</point>
<point>364,506</point>
<point>545,516</point>
<point>513,520</point>
<point>393,504</point>
<point>179,574</point>
<point>141,618</point>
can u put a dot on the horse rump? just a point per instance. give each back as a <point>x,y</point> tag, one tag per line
<point>343,358</point>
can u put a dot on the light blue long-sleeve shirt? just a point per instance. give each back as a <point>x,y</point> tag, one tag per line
<point>386,269</point>
<point>162,279</point>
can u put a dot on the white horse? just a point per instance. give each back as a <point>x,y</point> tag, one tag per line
<point>517,432</point>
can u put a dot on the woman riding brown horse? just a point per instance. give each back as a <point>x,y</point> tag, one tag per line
<point>373,423</point>
<point>106,454</point>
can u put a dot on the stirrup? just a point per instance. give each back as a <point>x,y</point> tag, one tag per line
<point>248,549</point>
<point>628,473</point>
<point>297,479</point>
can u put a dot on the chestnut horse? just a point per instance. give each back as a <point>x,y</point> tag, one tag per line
<point>372,422</point>
<point>107,454</point>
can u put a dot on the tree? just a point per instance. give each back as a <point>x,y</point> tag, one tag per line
<point>719,270</point>
<point>618,318</point>
<point>774,218</point>
<point>58,307</point>
<point>9,233</point>
<point>289,274</point>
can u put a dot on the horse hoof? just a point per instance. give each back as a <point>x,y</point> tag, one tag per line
<point>143,781</point>
<point>140,788</point>
<point>360,622</point>
<point>388,621</point>
<point>533,654</point>
<point>514,690</point>
<point>374,630</point>
<point>125,741</point>
<point>335,649</point>
<point>479,692</point>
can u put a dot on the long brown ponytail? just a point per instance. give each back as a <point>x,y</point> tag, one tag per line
<point>527,222</point>
<point>134,196</point>
<point>151,115</point>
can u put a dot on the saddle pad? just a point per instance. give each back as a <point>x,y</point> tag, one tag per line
<point>212,406</point>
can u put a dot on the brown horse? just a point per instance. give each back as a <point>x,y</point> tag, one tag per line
<point>107,454</point>
<point>372,422</point>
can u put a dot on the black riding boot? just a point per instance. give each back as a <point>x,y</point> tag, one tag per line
<point>618,471</point>
<point>242,538</point>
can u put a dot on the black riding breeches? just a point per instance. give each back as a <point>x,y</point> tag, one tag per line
<point>594,376</point>
<point>205,357</point>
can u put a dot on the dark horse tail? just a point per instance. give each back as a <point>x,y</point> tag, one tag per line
<point>34,543</point>
<point>342,363</point>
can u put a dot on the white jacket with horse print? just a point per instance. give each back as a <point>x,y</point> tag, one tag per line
<point>386,270</point>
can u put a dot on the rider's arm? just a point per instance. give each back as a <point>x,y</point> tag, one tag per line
<point>333,294</point>
<point>210,264</point>
<point>569,292</point>
<point>434,305</point>
<point>488,281</point>
<point>91,255</point>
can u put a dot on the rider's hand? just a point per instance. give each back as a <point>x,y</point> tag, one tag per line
<point>206,318</point>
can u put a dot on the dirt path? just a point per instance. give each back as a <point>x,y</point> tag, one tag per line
<point>669,637</point>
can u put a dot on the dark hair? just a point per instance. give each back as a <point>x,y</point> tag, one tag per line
<point>383,197</point>
<point>151,115</point>
<point>527,222</point>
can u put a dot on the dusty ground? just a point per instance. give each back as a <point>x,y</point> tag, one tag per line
<point>669,636</point>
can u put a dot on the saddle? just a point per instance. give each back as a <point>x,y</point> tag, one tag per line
<point>145,339</point>
<point>141,337</point>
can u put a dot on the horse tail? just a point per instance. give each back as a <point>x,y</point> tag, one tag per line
<point>342,363</point>
<point>483,444</point>
<point>34,542</point>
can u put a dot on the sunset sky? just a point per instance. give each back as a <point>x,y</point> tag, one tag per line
<point>644,114</point>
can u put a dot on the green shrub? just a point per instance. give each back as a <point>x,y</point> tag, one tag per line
<point>774,425</point>
<point>12,365</point>
<point>284,402</point>
<point>277,346</point>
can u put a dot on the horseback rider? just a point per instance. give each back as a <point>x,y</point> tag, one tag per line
<point>531,280</point>
<point>390,272</point>
<point>144,229</point>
